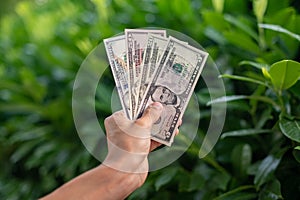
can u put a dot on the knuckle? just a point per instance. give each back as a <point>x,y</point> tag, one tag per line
<point>142,123</point>
<point>107,121</point>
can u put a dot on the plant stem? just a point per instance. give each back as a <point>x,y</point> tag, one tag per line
<point>213,163</point>
<point>262,41</point>
<point>281,102</point>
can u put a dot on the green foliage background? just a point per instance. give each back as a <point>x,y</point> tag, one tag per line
<point>43,43</point>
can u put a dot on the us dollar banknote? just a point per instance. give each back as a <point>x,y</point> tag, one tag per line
<point>154,49</point>
<point>136,40</point>
<point>175,77</point>
<point>116,53</point>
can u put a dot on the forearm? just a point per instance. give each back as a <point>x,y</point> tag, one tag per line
<point>101,182</point>
<point>126,165</point>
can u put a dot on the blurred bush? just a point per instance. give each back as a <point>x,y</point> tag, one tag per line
<point>254,43</point>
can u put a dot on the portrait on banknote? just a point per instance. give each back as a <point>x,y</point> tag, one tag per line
<point>156,68</point>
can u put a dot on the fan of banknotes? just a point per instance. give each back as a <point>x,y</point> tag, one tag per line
<point>149,66</point>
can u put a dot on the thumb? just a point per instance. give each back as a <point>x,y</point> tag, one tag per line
<point>150,115</point>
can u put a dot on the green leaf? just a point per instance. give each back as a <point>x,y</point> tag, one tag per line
<point>215,35</point>
<point>245,132</point>
<point>240,97</point>
<point>284,74</point>
<point>266,73</point>
<point>243,78</point>
<point>241,159</point>
<point>165,178</point>
<point>288,174</point>
<point>252,169</point>
<point>266,170</point>
<point>218,5</point>
<point>280,29</point>
<point>276,6</point>
<point>296,153</point>
<point>215,20</point>
<point>259,7</point>
<point>220,180</point>
<point>240,193</point>
<point>226,99</point>
<point>31,84</point>
<point>23,151</point>
<point>254,64</point>
<point>141,193</point>
<point>239,39</point>
<point>21,107</point>
<point>190,182</point>
<point>264,117</point>
<point>238,196</point>
<point>290,128</point>
<point>271,191</point>
<point>241,25</point>
<point>32,134</point>
<point>295,90</point>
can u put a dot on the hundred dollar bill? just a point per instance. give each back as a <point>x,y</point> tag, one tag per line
<point>136,40</point>
<point>154,49</point>
<point>173,82</point>
<point>116,53</point>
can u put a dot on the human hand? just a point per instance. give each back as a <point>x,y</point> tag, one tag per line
<point>126,165</point>
<point>129,141</point>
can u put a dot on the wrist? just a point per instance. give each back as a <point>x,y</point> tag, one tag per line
<point>120,184</point>
<point>126,161</point>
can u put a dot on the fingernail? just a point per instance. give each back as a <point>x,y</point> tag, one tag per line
<point>156,105</point>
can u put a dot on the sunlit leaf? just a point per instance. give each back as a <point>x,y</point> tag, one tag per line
<point>101,9</point>
<point>218,5</point>
<point>280,29</point>
<point>284,74</point>
<point>259,7</point>
<point>254,64</point>
<point>240,97</point>
<point>266,73</point>
<point>243,78</point>
<point>227,99</point>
